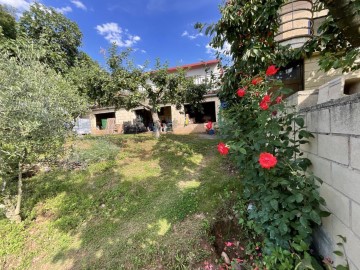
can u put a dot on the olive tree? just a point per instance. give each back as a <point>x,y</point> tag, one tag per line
<point>37,109</point>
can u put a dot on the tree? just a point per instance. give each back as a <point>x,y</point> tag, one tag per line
<point>131,87</point>
<point>37,110</point>
<point>53,31</point>
<point>7,24</point>
<point>250,26</point>
<point>346,15</point>
<point>89,78</point>
<point>338,37</point>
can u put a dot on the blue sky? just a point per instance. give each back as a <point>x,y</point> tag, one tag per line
<point>153,28</point>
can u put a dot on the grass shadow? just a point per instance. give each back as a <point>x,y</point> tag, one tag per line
<point>147,207</point>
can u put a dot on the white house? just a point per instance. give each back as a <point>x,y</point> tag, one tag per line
<point>109,121</point>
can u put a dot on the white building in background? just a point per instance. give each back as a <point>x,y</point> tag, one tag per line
<point>110,121</point>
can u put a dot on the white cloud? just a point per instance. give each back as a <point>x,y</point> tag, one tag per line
<point>186,34</point>
<point>64,10</point>
<point>115,34</point>
<point>225,50</point>
<point>143,51</point>
<point>140,66</point>
<point>79,4</point>
<point>20,5</point>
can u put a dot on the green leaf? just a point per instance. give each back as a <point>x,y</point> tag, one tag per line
<point>304,222</point>
<point>342,267</point>
<point>286,91</point>
<point>338,253</point>
<point>297,247</point>
<point>299,197</point>
<point>283,228</point>
<point>342,238</point>
<point>299,121</point>
<point>274,204</point>
<point>305,134</point>
<point>324,213</point>
<point>242,151</point>
<point>315,217</point>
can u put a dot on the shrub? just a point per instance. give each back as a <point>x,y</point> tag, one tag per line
<point>264,137</point>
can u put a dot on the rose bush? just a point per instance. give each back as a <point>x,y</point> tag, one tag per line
<point>263,138</point>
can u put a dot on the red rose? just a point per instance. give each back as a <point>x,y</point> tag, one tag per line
<point>209,125</point>
<point>267,160</point>
<point>256,81</point>
<point>267,99</point>
<point>223,149</point>
<point>264,105</point>
<point>274,113</point>
<point>271,70</point>
<point>278,99</point>
<point>241,92</point>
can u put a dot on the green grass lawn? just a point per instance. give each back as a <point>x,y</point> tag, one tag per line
<point>135,203</point>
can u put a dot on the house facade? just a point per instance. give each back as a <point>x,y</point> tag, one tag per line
<point>110,121</point>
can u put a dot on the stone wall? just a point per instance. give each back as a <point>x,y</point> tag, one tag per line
<point>334,119</point>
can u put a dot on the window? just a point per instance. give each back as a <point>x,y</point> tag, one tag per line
<point>292,75</point>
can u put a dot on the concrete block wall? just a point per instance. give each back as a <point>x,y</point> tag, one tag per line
<point>178,117</point>
<point>335,156</point>
<point>123,116</point>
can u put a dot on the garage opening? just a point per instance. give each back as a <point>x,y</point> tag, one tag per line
<point>196,116</point>
<point>102,120</point>
<point>144,116</point>
<point>165,114</point>
<point>165,118</point>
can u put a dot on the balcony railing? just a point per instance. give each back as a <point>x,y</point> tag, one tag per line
<point>296,23</point>
<point>212,79</point>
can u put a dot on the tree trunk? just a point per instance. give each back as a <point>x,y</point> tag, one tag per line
<point>156,120</point>
<point>347,18</point>
<point>19,196</point>
<point>3,185</point>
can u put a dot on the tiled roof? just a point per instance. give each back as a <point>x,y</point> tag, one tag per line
<point>194,65</point>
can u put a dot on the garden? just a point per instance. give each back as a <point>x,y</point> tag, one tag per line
<point>244,200</point>
<point>123,202</point>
